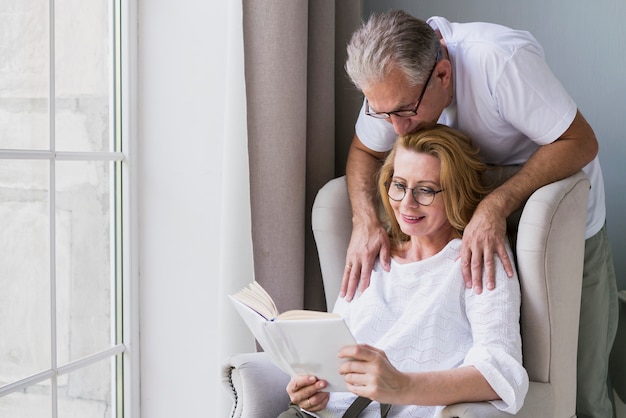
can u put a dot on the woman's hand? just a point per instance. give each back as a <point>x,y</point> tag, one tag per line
<point>368,372</point>
<point>304,391</point>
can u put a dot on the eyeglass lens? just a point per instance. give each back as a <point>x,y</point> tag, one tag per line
<point>422,195</point>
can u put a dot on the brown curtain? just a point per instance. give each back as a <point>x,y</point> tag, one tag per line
<point>301,113</point>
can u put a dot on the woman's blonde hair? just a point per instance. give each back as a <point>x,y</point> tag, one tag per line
<point>461,175</point>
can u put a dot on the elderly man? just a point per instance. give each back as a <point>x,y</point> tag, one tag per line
<point>493,84</point>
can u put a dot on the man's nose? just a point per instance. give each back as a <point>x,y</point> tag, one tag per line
<point>400,125</point>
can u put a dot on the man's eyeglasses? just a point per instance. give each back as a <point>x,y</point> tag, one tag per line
<point>422,195</point>
<point>402,113</point>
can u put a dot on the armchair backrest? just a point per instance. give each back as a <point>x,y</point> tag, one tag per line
<point>331,221</point>
<point>549,252</point>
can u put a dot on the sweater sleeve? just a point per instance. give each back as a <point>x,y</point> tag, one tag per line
<point>497,347</point>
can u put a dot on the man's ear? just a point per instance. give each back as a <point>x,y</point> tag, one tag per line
<point>443,72</point>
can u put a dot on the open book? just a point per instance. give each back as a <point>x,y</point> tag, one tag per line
<point>299,341</point>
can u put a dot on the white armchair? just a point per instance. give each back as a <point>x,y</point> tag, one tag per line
<point>549,251</point>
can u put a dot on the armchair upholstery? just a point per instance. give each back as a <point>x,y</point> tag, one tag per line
<point>549,252</point>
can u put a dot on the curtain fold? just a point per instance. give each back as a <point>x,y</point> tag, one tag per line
<point>320,144</point>
<point>291,53</point>
<point>275,45</point>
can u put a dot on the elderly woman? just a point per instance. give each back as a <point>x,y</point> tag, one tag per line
<point>425,339</point>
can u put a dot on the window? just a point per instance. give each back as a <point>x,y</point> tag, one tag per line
<point>62,210</point>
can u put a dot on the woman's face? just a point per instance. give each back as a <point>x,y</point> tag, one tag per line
<point>419,172</point>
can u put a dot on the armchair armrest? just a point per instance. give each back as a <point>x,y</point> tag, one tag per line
<point>538,400</point>
<point>256,386</point>
<point>473,410</point>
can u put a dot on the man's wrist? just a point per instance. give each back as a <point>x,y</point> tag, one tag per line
<point>365,219</point>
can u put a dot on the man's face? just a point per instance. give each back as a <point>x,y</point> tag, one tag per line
<point>395,94</point>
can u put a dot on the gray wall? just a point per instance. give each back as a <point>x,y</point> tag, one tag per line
<point>585,44</point>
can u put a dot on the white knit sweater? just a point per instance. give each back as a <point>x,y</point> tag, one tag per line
<point>425,319</point>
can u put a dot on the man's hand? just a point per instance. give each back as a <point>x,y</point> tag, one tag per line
<point>304,391</point>
<point>369,239</point>
<point>365,245</point>
<point>483,239</point>
<point>368,372</point>
<point>484,235</point>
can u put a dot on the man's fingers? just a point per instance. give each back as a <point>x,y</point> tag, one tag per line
<point>364,278</point>
<point>506,261</point>
<point>490,271</point>
<point>366,245</point>
<point>345,280</point>
<point>466,266</point>
<point>356,275</point>
<point>350,280</point>
<point>472,269</point>
<point>385,256</point>
<point>353,281</point>
<point>477,272</point>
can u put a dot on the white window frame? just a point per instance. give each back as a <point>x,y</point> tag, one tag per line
<point>126,347</point>
<point>128,72</point>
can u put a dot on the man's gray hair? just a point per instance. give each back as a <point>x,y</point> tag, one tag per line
<point>388,41</point>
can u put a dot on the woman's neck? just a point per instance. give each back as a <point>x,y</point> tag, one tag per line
<point>421,248</point>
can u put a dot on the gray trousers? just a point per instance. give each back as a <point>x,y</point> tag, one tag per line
<point>598,326</point>
<point>294,411</point>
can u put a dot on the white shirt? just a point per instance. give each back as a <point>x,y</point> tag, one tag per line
<point>425,319</point>
<point>506,99</point>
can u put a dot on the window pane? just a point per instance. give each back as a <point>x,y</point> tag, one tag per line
<point>34,402</point>
<point>57,222</point>
<point>83,228</point>
<point>25,272</point>
<point>24,74</point>
<point>82,69</point>
<point>87,392</point>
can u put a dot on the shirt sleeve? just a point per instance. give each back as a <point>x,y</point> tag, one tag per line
<point>532,99</point>
<point>376,134</point>
<point>497,347</point>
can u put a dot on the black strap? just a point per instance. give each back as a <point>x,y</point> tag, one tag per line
<point>384,409</point>
<point>357,407</point>
<point>360,404</point>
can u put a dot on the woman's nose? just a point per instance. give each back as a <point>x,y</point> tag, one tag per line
<point>409,200</point>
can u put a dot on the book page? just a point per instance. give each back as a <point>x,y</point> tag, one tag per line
<point>255,297</point>
<point>304,314</point>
